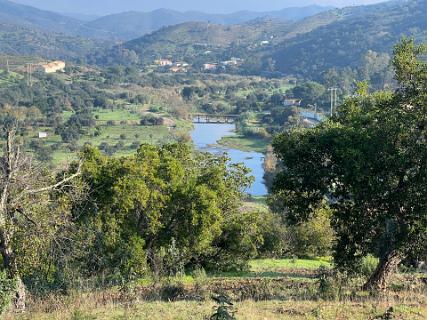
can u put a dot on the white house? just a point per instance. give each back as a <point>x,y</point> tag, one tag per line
<point>42,135</point>
<point>52,67</point>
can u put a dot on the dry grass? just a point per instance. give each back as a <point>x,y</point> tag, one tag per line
<point>290,292</point>
<point>248,310</point>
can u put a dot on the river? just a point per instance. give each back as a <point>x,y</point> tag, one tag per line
<point>205,137</point>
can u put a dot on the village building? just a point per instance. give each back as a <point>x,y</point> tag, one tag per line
<point>210,66</point>
<point>42,135</point>
<point>292,102</point>
<point>52,67</point>
<point>178,69</point>
<point>163,62</point>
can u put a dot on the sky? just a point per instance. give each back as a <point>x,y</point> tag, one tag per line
<point>102,7</point>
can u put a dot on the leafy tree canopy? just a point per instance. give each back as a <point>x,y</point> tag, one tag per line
<point>369,163</point>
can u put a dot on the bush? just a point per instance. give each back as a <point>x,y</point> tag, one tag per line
<point>274,238</point>
<point>200,281</point>
<point>154,109</point>
<point>150,120</point>
<point>172,290</point>
<point>329,284</point>
<point>7,287</point>
<point>368,265</point>
<point>313,238</point>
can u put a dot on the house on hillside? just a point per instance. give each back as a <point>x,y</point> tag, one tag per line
<point>210,66</point>
<point>52,67</point>
<point>163,62</point>
<point>292,102</point>
<point>42,135</point>
<point>178,69</point>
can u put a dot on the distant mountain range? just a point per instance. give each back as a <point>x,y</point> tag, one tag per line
<point>130,25</point>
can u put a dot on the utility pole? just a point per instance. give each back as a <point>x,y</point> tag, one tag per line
<point>207,32</point>
<point>7,66</point>
<point>333,99</point>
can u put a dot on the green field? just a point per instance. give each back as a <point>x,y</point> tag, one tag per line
<point>124,131</point>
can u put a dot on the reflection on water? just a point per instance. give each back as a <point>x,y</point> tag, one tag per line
<point>205,137</point>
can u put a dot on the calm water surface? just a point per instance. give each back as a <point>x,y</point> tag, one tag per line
<point>206,135</point>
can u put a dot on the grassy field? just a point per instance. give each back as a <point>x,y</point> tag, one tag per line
<point>271,289</point>
<point>124,131</point>
<point>245,144</point>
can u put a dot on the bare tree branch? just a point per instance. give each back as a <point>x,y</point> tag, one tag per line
<point>56,185</point>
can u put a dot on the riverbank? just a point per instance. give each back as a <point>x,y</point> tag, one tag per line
<point>243,143</point>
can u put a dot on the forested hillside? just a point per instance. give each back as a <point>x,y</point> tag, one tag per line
<point>12,12</point>
<point>206,41</point>
<point>350,35</point>
<point>29,41</point>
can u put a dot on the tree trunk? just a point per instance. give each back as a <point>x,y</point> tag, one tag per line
<point>387,265</point>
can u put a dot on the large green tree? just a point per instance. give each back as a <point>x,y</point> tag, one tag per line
<point>370,163</point>
<point>163,203</point>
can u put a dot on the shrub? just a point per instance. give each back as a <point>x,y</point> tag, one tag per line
<point>200,280</point>
<point>329,287</point>
<point>172,290</point>
<point>7,287</point>
<point>368,266</point>
<point>150,120</point>
<point>223,310</point>
<point>314,237</point>
<point>154,109</point>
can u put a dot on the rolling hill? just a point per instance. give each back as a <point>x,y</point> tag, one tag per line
<point>194,40</point>
<point>131,25</point>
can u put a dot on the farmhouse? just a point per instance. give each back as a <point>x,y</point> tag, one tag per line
<point>52,67</point>
<point>292,102</point>
<point>210,66</point>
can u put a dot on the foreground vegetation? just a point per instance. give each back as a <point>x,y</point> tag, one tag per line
<point>292,289</point>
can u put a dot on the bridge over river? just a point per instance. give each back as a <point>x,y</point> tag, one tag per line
<point>214,118</point>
